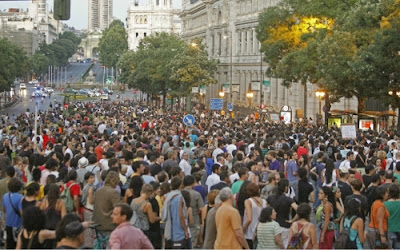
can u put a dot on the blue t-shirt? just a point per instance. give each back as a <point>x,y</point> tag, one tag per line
<point>12,219</point>
<point>274,165</point>
<point>177,233</point>
<point>291,168</point>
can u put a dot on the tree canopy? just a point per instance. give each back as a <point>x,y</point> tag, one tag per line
<point>113,44</point>
<point>13,63</point>
<point>165,63</point>
<point>345,47</point>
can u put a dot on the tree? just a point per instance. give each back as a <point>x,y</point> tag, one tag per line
<point>323,42</point>
<point>39,63</point>
<point>70,36</point>
<point>13,63</point>
<point>113,44</point>
<point>165,63</point>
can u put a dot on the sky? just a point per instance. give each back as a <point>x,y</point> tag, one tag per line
<point>79,10</point>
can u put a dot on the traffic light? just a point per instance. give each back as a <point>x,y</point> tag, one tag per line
<point>62,9</point>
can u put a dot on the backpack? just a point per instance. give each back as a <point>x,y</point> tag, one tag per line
<point>343,240</point>
<point>296,242</point>
<point>66,197</point>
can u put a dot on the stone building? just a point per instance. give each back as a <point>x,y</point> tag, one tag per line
<point>227,27</point>
<point>149,16</point>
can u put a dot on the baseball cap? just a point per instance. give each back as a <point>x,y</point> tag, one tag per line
<point>343,169</point>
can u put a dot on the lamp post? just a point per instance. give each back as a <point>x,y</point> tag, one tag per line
<point>320,94</point>
<point>221,93</point>
<point>231,66</point>
<point>250,96</point>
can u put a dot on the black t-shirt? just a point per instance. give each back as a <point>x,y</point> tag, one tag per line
<point>282,205</point>
<point>345,189</point>
<point>367,180</point>
<point>305,189</point>
<point>155,169</point>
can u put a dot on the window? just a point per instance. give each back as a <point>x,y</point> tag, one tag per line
<point>157,2</point>
<point>144,34</point>
<point>137,34</point>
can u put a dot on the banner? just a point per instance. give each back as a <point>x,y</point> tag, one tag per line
<point>195,90</point>
<point>235,88</point>
<point>203,90</point>
<point>226,87</point>
<point>266,86</point>
<point>255,86</point>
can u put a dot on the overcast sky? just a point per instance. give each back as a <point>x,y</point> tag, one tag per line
<point>79,12</point>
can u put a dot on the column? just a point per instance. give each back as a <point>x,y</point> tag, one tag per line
<point>249,42</point>
<point>243,35</point>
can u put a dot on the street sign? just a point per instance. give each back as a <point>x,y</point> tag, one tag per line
<point>188,120</point>
<point>230,106</point>
<point>216,104</point>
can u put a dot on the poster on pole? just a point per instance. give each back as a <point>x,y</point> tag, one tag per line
<point>195,90</point>
<point>203,90</point>
<point>235,88</point>
<point>255,86</point>
<point>225,87</point>
<point>348,131</point>
<point>266,86</point>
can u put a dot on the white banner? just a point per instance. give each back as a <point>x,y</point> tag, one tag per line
<point>255,86</point>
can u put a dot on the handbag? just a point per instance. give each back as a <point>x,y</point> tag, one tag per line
<point>170,244</point>
<point>15,230</point>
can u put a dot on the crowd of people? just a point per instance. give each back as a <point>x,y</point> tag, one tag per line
<point>119,175</point>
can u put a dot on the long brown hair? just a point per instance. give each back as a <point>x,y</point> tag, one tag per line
<point>53,195</point>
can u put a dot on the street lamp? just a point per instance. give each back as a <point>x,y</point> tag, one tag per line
<point>250,96</point>
<point>221,93</point>
<point>231,66</point>
<point>320,94</point>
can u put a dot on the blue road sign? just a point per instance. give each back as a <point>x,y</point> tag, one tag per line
<point>188,120</point>
<point>216,104</point>
<point>230,106</point>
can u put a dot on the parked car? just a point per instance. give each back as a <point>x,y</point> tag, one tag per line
<point>22,86</point>
<point>104,97</point>
<point>108,91</point>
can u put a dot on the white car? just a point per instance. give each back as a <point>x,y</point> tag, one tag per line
<point>22,86</point>
<point>48,90</point>
<point>104,97</point>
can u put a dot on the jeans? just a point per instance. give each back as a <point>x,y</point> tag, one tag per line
<point>394,241</point>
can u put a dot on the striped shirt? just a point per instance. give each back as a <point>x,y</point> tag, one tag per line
<point>266,233</point>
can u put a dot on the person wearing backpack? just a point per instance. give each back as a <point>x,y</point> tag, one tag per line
<point>302,233</point>
<point>71,192</point>
<point>351,234</point>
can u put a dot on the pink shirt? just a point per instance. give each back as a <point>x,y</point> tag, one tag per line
<point>136,239</point>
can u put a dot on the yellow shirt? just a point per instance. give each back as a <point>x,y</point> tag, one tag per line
<point>41,191</point>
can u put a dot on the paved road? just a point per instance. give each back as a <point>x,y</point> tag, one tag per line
<point>26,102</point>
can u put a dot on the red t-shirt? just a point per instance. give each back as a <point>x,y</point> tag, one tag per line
<point>99,152</point>
<point>74,190</point>
<point>302,151</point>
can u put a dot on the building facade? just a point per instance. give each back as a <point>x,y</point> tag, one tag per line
<point>228,29</point>
<point>100,14</point>
<point>149,16</point>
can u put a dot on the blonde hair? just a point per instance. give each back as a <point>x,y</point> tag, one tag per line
<point>381,154</point>
<point>112,179</point>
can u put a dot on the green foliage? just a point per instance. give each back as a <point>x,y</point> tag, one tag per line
<point>165,63</point>
<point>70,36</point>
<point>113,44</point>
<point>39,63</point>
<point>13,63</point>
<point>354,55</point>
